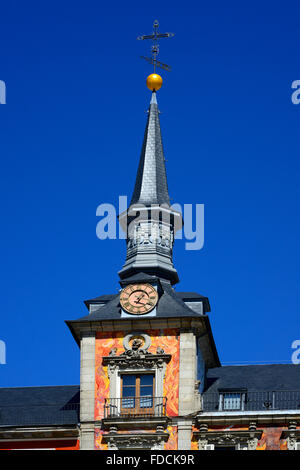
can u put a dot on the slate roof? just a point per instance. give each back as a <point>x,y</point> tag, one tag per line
<point>170,305</point>
<point>151,181</point>
<point>59,405</point>
<point>100,299</point>
<point>254,377</point>
<point>39,406</point>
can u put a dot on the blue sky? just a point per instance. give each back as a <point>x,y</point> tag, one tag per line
<point>71,134</point>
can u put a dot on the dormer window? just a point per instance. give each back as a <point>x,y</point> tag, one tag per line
<point>232,400</point>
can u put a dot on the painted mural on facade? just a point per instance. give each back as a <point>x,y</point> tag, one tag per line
<point>270,438</point>
<point>168,340</point>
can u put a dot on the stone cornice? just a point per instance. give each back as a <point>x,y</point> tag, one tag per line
<point>82,328</point>
<point>138,361</point>
<point>135,440</point>
<point>292,436</point>
<point>143,323</point>
<point>244,418</point>
<point>239,439</point>
<point>294,433</point>
<point>218,437</point>
<point>135,422</point>
<point>39,432</point>
<point>200,325</point>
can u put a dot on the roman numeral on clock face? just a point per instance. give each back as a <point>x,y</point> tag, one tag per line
<point>138,299</point>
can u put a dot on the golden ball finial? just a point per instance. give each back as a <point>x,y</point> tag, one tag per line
<point>154,82</point>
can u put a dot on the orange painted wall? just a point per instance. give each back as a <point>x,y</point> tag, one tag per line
<point>172,442</point>
<point>168,340</point>
<point>98,440</point>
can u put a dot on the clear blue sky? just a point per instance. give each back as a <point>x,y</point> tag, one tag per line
<point>71,134</point>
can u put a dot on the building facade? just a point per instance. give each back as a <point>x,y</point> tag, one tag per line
<point>150,374</point>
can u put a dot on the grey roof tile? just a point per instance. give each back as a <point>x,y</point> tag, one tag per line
<point>254,377</point>
<point>171,304</point>
<point>39,406</point>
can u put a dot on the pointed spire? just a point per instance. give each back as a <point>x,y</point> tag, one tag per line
<point>151,222</point>
<point>151,182</point>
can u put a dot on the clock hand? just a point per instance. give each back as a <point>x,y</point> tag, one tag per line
<point>139,298</point>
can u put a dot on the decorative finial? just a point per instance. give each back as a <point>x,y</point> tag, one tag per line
<point>154,81</point>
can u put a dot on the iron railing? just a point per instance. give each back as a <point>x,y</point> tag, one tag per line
<point>128,407</point>
<point>253,401</point>
<point>39,415</point>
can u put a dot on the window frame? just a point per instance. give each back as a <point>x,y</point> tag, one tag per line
<point>137,409</point>
<point>242,394</point>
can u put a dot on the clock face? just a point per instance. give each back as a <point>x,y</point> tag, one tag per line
<point>138,299</point>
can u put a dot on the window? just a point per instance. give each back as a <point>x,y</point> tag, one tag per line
<point>137,392</point>
<point>231,401</point>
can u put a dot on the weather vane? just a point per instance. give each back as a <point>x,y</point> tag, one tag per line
<point>154,81</point>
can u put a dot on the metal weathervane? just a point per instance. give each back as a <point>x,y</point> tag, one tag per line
<point>155,36</point>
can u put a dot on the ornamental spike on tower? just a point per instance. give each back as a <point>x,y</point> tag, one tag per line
<point>150,222</point>
<point>151,185</point>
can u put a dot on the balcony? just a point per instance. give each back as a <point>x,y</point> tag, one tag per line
<point>132,407</point>
<point>146,411</point>
<point>267,400</point>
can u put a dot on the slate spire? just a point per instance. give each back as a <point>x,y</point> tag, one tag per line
<point>151,181</point>
<point>151,222</point>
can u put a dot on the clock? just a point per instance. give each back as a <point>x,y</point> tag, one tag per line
<point>138,299</point>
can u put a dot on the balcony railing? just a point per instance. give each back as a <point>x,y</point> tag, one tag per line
<point>135,407</point>
<point>254,401</point>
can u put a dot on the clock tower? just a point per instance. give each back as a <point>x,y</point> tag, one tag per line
<point>144,350</point>
<point>151,222</point>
